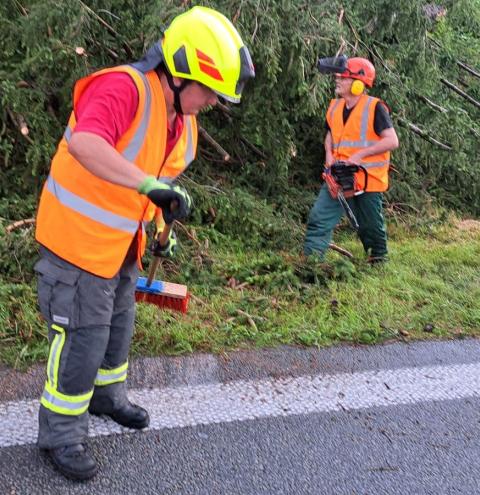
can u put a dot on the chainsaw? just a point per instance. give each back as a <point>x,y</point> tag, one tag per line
<point>342,184</point>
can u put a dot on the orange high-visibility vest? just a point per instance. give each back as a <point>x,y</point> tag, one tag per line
<point>90,222</point>
<point>358,133</point>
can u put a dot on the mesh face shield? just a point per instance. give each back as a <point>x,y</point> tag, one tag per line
<point>332,65</point>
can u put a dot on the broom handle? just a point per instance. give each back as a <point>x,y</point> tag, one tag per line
<point>162,239</point>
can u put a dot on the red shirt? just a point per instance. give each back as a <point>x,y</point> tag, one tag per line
<point>107,108</point>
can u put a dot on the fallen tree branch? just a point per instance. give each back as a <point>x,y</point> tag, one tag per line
<point>21,124</point>
<point>237,13</point>
<point>253,148</point>
<point>468,69</point>
<point>187,233</point>
<point>225,111</point>
<point>204,134</point>
<point>22,9</point>
<point>416,130</point>
<point>19,223</point>
<point>460,92</point>
<point>474,132</point>
<point>224,108</point>
<point>430,103</point>
<point>249,319</point>
<point>197,300</point>
<point>340,250</point>
<point>109,28</point>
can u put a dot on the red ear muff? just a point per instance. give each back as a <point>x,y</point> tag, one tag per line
<point>357,87</point>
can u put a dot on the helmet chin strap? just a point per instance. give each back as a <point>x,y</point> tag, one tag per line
<point>176,90</point>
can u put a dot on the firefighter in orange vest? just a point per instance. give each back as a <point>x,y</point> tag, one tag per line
<point>359,132</point>
<point>132,131</point>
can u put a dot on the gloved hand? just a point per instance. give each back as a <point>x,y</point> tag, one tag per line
<point>167,250</point>
<point>163,194</point>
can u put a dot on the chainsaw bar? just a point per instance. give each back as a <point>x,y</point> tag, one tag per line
<point>348,211</point>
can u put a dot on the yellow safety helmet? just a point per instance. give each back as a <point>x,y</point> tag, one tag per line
<point>203,45</point>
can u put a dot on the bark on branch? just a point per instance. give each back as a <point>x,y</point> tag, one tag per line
<point>457,90</point>
<point>416,130</point>
<point>468,69</point>
<point>256,150</point>
<point>204,134</point>
<point>19,223</point>
<point>21,124</point>
<point>340,250</point>
<point>109,28</point>
<point>435,106</point>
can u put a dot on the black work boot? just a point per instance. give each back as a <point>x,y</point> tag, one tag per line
<point>376,260</point>
<point>129,415</point>
<point>74,461</point>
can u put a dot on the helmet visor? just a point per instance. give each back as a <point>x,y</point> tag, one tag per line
<point>246,70</point>
<point>332,65</point>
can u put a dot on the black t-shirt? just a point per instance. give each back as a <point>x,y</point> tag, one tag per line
<point>382,119</point>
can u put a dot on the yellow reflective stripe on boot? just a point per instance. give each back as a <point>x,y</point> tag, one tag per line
<point>52,399</point>
<point>106,377</point>
<point>71,405</point>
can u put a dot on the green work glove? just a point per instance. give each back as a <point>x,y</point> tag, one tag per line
<point>163,193</point>
<point>168,250</point>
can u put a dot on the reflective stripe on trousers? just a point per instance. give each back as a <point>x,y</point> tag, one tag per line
<point>52,398</point>
<point>107,377</point>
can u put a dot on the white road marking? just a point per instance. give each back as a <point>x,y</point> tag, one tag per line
<point>178,407</point>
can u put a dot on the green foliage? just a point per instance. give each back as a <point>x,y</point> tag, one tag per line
<point>249,214</point>
<point>275,136</point>
<point>22,333</point>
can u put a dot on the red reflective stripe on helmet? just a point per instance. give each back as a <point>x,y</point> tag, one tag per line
<point>211,71</point>
<point>204,57</point>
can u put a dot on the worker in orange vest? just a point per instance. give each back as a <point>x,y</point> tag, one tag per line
<point>132,131</point>
<point>359,132</point>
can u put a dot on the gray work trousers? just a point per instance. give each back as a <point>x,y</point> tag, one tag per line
<point>95,318</point>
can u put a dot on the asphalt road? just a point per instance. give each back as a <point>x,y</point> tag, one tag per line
<point>393,419</point>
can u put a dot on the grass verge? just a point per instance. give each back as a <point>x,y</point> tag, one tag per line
<point>253,298</point>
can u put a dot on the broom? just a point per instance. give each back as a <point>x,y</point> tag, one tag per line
<point>162,294</point>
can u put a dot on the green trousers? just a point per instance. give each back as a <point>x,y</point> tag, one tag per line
<point>327,212</point>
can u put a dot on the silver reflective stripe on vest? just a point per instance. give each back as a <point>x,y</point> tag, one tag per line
<point>73,406</point>
<point>78,204</point>
<point>189,152</point>
<point>374,164</point>
<point>354,144</point>
<point>135,144</point>
<point>67,134</point>
<point>364,125</point>
<point>362,143</point>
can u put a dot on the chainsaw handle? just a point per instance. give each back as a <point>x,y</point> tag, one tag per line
<point>358,168</point>
<point>365,176</point>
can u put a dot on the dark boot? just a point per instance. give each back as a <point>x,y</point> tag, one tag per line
<point>73,461</point>
<point>377,260</point>
<point>129,415</point>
